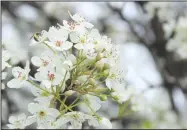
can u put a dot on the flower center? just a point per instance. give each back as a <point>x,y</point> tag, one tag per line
<point>51,76</point>
<point>58,43</point>
<point>42,114</point>
<point>45,63</point>
<point>71,25</point>
<point>82,40</point>
<point>20,75</point>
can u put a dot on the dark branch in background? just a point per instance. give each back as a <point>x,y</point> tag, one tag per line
<point>158,51</point>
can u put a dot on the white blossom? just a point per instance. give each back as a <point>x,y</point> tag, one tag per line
<point>50,77</point>
<point>58,39</point>
<point>44,61</point>
<point>20,76</point>
<point>5,58</point>
<point>104,123</point>
<point>93,101</point>
<point>75,118</point>
<point>19,122</point>
<point>41,111</point>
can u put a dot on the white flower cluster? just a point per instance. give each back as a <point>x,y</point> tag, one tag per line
<point>178,43</point>
<point>77,61</point>
<point>5,58</point>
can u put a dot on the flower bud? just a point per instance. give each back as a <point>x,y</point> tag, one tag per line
<point>103,97</point>
<point>106,66</point>
<point>69,92</point>
<point>99,57</point>
<point>112,90</point>
<point>99,65</point>
<point>87,73</point>
<point>106,73</point>
<point>115,97</point>
<point>76,82</point>
<point>92,81</point>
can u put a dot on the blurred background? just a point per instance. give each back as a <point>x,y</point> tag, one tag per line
<point>144,30</point>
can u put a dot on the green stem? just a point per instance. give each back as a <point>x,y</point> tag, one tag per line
<point>38,86</point>
<point>91,109</point>
<point>67,108</point>
<point>62,82</point>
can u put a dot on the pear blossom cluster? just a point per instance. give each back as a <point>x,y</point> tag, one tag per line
<point>78,62</point>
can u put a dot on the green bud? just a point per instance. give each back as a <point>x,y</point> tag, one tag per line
<point>106,72</point>
<point>116,98</point>
<point>92,81</point>
<point>99,57</point>
<point>76,82</point>
<point>112,90</point>
<point>87,73</point>
<point>69,92</point>
<point>106,66</point>
<point>103,97</point>
<point>99,66</point>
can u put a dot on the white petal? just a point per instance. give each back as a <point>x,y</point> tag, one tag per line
<point>33,108</point>
<point>46,83</point>
<point>11,126</point>
<point>36,61</point>
<point>88,25</point>
<point>72,58</point>
<point>40,76</point>
<point>93,122</point>
<point>3,65</point>
<point>4,75</point>
<point>65,23</point>
<point>95,33</point>
<point>95,105</point>
<point>2,86</point>
<point>62,34</point>
<point>12,119</point>
<point>61,121</point>
<point>53,112</point>
<point>74,37</point>
<point>27,68</point>
<point>108,83</point>
<point>16,71</point>
<point>79,46</point>
<point>67,45</point>
<point>22,116</point>
<point>76,124</point>
<point>44,101</point>
<point>105,123</point>
<point>6,55</point>
<point>30,120</point>
<point>14,83</point>
<point>77,17</point>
